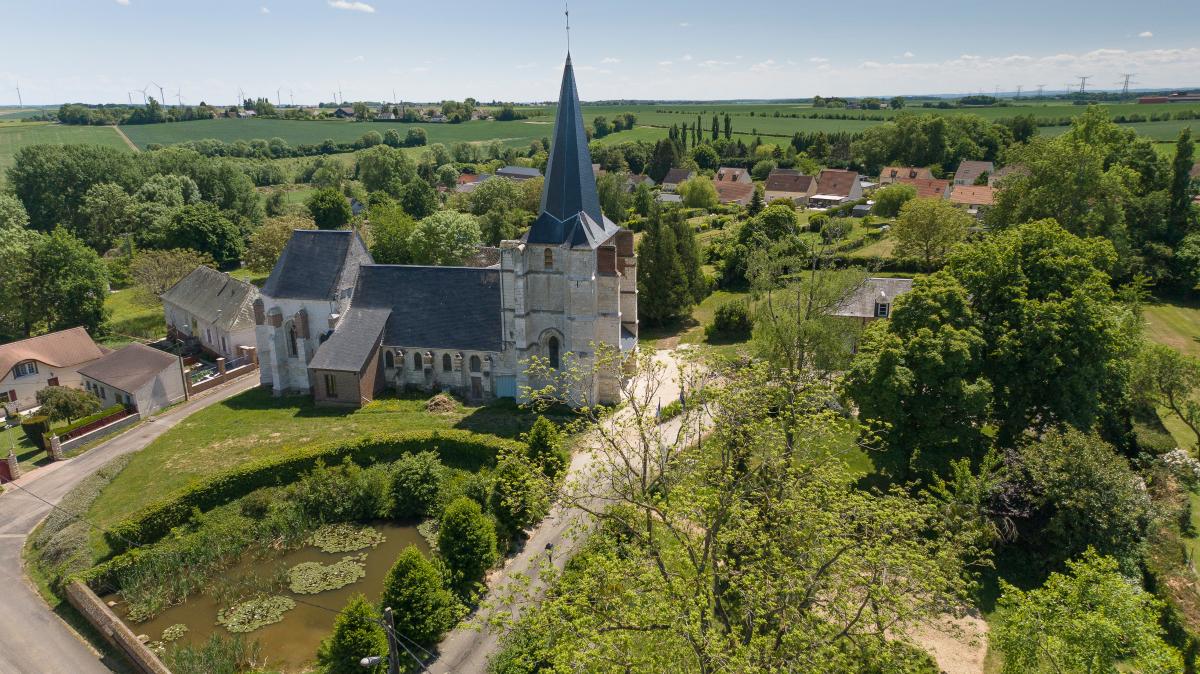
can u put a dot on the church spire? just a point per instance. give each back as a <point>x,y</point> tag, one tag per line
<point>570,187</point>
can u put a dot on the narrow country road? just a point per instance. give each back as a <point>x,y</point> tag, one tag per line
<point>467,649</point>
<point>32,639</point>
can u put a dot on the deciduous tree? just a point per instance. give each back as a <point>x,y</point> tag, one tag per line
<point>416,592</point>
<point>1164,378</point>
<point>928,229</point>
<point>467,541</point>
<point>154,272</point>
<point>268,241</point>
<point>329,208</point>
<point>444,238</point>
<point>62,403</point>
<point>203,228</point>
<point>356,634</point>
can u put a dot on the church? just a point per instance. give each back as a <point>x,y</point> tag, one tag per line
<point>332,323</point>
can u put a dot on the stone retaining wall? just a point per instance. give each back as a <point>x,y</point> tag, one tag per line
<point>113,630</point>
<point>91,436</point>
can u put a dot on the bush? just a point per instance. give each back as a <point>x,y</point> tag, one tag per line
<point>731,321</point>
<point>416,483</point>
<point>356,634</point>
<point>521,495</point>
<point>342,493</point>
<point>35,427</point>
<point>544,447</point>
<point>456,448</point>
<point>422,607</point>
<point>467,541</point>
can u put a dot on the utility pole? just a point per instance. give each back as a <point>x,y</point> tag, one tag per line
<point>393,647</point>
<point>1019,92</point>
<point>1083,83</point>
<point>1128,77</point>
<point>20,102</point>
<point>1040,88</point>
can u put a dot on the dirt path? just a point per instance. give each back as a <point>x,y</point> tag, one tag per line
<point>959,645</point>
<point>130,143</point>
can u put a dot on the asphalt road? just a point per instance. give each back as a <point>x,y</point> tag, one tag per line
<point>467,649</point>
<point>33,640</point>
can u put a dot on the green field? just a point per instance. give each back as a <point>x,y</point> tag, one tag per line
<point>16,135</point>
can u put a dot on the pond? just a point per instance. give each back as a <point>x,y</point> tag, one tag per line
<point>291,644</point>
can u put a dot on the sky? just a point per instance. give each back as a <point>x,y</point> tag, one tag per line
<point>304,50</point>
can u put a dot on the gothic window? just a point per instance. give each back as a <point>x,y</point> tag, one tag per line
<point>475,364</point>
<point>330,386</point>
<point>552,350</point>
<point>417,360</point>
<point>389,360</point>
<point>447,364</point>
<point>548,259</point>
<point>293,349</point>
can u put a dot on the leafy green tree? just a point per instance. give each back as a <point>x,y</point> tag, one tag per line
<point>104,214</point>
<point>446,176</point>
<point>467,542</point>
<point>664,159</point>
<point>889,199</point>
<point>928,229</point>
<point>699,192</point>
<point>643,199</point>
<point>544,447</point>
<point>391,228</point>
<point>444,238</point>
<point>268,241</point>
<point>416,137</point>
<point>614,200</point>
<point>154,272</point>
<point>422,607</point>
<point>391,138</point>
<point>61,284</point>
<point>12,213</point>
<point>706,157</point>
<point>762,169</point>
<point>356,635</point>
<point>664,292</point>
<point>1058,341</point>
<point>62,403</point>
<point>203,228</point>
<point>917,378</point>
<point>419,199</point>
<point>15,240</point>
<point>1164,378</point>
<point>757,202</point>
<point>1180,213</point>
<point>329,208</point>
<point>1092,619</point>
<point>51,180</point>
<point>521,495</point>
<point>416,482</point>
<point>385,169</point>
<point>503,223</point>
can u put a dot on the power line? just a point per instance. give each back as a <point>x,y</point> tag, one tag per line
<point>1083,82</point>
<point>77,516</point>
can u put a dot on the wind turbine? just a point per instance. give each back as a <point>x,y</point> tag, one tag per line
<point>161,97</point>
<point>241,97</point>
<point>278,100</point>
<point>143,90</point>
<point>20,102</point>
<point>292,97</point>
<point>178,97</point>
<point>129,94</point>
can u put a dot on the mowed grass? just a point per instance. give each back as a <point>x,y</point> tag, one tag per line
<point>16,135</point>
<point>257,425</point>
<point>1175,323</point>
<point>130,319</point>
<point>298,132</point>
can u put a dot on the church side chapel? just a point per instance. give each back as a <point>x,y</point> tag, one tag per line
<point>332,323</point>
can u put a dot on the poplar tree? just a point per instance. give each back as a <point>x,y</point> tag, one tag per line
<point>1179,210</point>
<point>716,127</point>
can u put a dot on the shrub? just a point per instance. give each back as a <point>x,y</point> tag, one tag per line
<point>341,493</point>
<point>422,607</point>
<point>731,321</point>
<point>35,428</point>
<point>521,496</point>
<point>356,634</point>
<point>218,655</point>
<point>467,541</point>
<point>544,447</point>
<point>416,482</point>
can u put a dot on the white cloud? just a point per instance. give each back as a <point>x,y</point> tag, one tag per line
<point>713,63</point>
<point>908,54</point>
<point>352,6</point>
<point>357,59</point>
<point>664,63</point>
<point>687,57</point>
<point>818,59</point>
<point>264,10</point>
<point>685,24</point>
<point>764,66</point>
<point>1145,33</point>
<point>610,59</point>
<point>123,3</point>
<point>871,64</point>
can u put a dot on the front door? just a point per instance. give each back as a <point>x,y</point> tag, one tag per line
<point>476,388</point>
<point>53,381</point>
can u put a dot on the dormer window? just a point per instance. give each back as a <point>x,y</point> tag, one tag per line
<point>26,369</point>
<point>882,309</point>
<point>548,259</point>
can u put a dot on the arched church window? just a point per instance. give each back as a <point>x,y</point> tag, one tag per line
<point>389,359</point>
<point>552,350</point>
<point>447,364</point>
<point>548,259</point>
<point>293,349</point>
<point>476,365</point>
<point>417,359</point>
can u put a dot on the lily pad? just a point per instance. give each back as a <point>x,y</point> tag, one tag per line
<point>173,632</point>
<point>345,538</point>
<point>248,616</point>
<point>315,577</point>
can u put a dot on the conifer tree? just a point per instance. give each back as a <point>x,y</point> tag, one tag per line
<point>716,127</point>
<point>728,126</point>
<point>757,202</point>
<point>664,292</point>
<point>1179,211</point>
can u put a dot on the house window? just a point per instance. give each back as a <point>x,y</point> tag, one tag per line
<point>417,360</point>
<point>330,386</point>
<point>552,348</point>
<point>476,365</point>
<point>25,369</point>
<point>548,259</point>
<point>389,360</point>
<point>103,393</point>
<point>291,336</point>
<point>447,364</point>
<point>881,309</point>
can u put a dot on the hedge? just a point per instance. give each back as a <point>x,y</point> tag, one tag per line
<point>35,428</point>
<point>67,428</point>
<point>462,449</point>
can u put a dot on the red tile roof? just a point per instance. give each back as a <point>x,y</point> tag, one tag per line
<point>57,349</point>
<point>788,181</point>
<point>973,195</point>
<point>896,173</point>
<point>727,174</point>
<point>836,182</point>
<point>739,193</point>
<point>931,188</point>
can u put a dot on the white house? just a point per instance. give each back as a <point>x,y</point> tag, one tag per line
<point>30,365</point>
<point>136,376</point>
<point>213,309</point>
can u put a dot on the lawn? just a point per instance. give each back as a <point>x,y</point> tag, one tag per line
<point>28,456</point>
<point>258,425</point>
<point>130,320</point>
<point>16,135</point>
<point>1176,323</point>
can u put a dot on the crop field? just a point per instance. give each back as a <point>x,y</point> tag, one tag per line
<point>296,132</point>
<point>16,135</point>
<point>15,113</point>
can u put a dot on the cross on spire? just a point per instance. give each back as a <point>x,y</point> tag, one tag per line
<point>567,12</point>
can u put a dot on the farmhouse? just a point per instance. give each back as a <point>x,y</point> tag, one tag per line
<point>928,188</point>
<point>835,186</point>
<point>518,173</point>
<point>30,365</point>
<point>874,299</point>
<point>789,184</point>
<point>1006,172</point>
<point>734,192</point>
<point>726,174</point>
<point>975,198</point>
<point>333,323</point>
<point>676,176</point>
<point>893,174</point>
<point>213,310</point>
<point>138,377</point>
<point>344,112</point>
<point>970,171</point>
<point>632,182</point>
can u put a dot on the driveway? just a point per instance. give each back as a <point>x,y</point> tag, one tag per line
<point>467,649</point>
<point>32,639</point>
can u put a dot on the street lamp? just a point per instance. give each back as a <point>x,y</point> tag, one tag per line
<point>370,661</point>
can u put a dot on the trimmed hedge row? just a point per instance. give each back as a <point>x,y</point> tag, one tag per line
<point>461,449</point>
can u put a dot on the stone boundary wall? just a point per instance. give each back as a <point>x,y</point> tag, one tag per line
<point>113,630</point>
<point>220,379</point>
<point>91,436</point>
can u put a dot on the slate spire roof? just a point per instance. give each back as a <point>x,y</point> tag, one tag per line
<point>570,211</point>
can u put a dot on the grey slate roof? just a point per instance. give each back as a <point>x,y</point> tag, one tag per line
<point>885,290</point>
<point>434,307</point>
<point>130,368</point>
<point>315,264</point>
<point>348,348</point>
<point>570,211</point>
<point>677,175</point>
<point>518,172</point>
<point>215,298</point>
<point>970,170</point>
